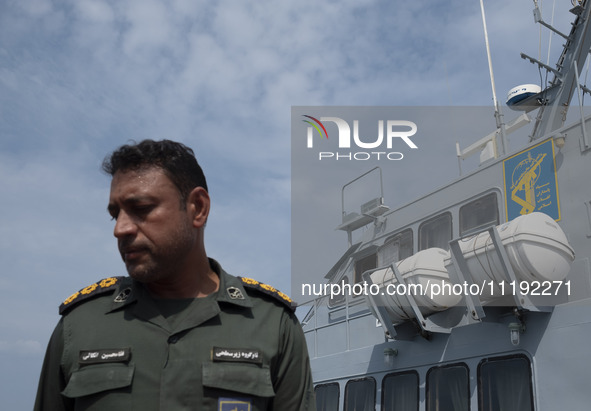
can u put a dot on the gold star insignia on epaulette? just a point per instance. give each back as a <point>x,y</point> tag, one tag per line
<point>269,290</point>
<point>97,288</point>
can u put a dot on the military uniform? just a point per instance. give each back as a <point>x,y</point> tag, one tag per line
<point>117,348</point>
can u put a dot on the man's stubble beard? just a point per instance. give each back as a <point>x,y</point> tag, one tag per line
<point>165,263</point>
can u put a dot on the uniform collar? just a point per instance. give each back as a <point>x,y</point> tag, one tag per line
<point>230,290</point>
<point>125,294</point>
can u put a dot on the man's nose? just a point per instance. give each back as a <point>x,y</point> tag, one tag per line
<point>124,225</point>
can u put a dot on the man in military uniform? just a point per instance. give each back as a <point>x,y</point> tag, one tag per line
<point>179,333</point>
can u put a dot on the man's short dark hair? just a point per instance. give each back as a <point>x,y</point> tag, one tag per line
<point>176,160</point>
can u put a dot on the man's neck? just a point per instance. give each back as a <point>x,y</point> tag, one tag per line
<point>194,283</point>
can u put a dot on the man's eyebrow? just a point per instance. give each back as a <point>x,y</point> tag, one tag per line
<point>112,209</point>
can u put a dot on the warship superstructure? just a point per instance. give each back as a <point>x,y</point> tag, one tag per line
<point>476,296</point>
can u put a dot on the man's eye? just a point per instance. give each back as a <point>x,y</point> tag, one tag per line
<point>143,209</point>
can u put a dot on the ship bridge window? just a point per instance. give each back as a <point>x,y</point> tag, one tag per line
<point>436,232</point>
<point>448,388</point>
<point>364,264</point>
<point>505,384</point>
<point>395,248</point>
<point>338,298</point>
<point>327,397</point>
<point>360,395</point>
<point>479,214</point>
<point>400,392</point>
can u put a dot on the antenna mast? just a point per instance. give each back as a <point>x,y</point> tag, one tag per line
<point>556,98</point>
<point>498,113</point>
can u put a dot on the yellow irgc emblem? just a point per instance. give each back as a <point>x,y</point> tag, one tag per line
<point>107,282</point>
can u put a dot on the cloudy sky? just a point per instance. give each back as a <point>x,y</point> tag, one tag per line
<point>78,78</point>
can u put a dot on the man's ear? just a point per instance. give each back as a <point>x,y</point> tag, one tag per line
<point>198,203</point>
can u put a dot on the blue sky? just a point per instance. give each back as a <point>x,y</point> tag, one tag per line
<point>79,78</point>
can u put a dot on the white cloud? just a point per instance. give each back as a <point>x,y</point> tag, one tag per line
<point>149,28</point>
<point>94,11</point>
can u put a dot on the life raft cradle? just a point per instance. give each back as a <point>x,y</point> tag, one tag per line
<point>473,310</point>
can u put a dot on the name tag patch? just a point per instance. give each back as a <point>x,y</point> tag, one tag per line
<point>237,355</point>
<point>233,404</point>
<point>104,356</point>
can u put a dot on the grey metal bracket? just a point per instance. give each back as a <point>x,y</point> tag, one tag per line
<point>475,310</point>
<point>380,310</point>
<point>522,300</point>
<point>425,323</point>
<point>462,275</point>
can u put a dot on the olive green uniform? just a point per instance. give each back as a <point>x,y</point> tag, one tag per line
<point>117,348</point>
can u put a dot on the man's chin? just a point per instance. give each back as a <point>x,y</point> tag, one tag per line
<point>140,273</point>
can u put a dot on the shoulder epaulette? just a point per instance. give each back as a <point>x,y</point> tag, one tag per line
<point>269,290</point>
<point>101,287</point>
